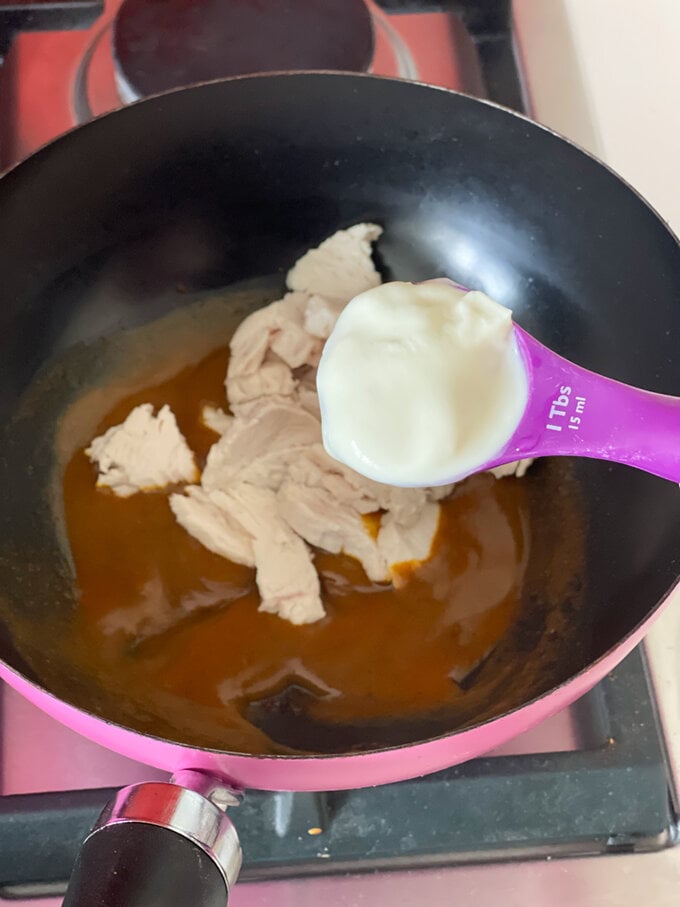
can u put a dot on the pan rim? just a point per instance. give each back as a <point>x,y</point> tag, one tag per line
<point>407,85</point>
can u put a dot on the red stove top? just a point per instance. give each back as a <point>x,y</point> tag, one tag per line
<point>52,81</point>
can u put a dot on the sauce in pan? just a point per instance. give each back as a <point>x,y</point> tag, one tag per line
<point>173,633</point>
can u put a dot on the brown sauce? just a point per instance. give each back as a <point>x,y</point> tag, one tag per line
<point>173,631</point>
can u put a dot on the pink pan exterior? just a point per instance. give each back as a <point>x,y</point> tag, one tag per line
<point>306,773</point>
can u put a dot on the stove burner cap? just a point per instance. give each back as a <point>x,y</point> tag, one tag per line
<point>164,44</point>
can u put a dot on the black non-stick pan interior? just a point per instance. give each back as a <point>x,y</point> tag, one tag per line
<point>129,217</point>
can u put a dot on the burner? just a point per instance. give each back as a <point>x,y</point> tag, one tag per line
<point>164,44</point>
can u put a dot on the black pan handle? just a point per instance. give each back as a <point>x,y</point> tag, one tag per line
<point>132,864</point>
<point>160,844</point>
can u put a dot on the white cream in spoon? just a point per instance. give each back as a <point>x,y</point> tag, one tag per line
<point>420,384</point>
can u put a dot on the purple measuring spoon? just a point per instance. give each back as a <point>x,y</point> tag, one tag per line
<point>571,411</point>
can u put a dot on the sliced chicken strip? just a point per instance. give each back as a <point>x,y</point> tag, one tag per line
<point>306,395</point>
<point>286,578</point>
<point>341,267</point>
<point>278,327</point>
<point>331,525</point>
<point>321,315</point>
<point>143,453</point>
<point>291,342</point>
<point>249,408</point>
<point>271,379</point>
<point>439,492</point>
<point>216,419</point>
<point>244,526</point>
<point>206,516</point>
<point>251,341</point>
<point>405,504</point>
<point>270,469</point>
<point>518,469</point>
<point>295,347</point>
<point>408,544</point>
<point>309,401</point>
<point>270,428</point>
<point>315,469</point>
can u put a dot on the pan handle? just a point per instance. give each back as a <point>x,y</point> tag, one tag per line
<point>160,844</point>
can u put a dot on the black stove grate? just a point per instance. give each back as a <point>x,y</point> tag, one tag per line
<point>44,15</point>
<point>610,797</point>
<point>489,23</point>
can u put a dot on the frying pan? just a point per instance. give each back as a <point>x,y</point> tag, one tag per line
<point>232,180</point>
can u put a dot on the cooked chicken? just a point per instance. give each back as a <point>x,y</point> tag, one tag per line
<point>216,419</point>
<point>244,525</point>
<point>268,484</point>
<point>313,468</point>
<point>439,492</point>
<point>306,391</point>
<point>401,543</point>
<point>271,379</point>
<point>309,401</point>
<point>292,343</point>
<point>286,579</point>
<point>250,342</point>
<point>143,453</point>
<point>249,408</point>
<point>331,525</point>
<point>341,267</point>
<point>406,504</point>
<point>276,329</point>
<point>206,516</point>
<point>321,315</point>
<point>518,469</point>
<point>272,432</point>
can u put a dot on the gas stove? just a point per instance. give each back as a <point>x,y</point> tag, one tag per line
<point>52,81</point>
<point>582,809</point>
